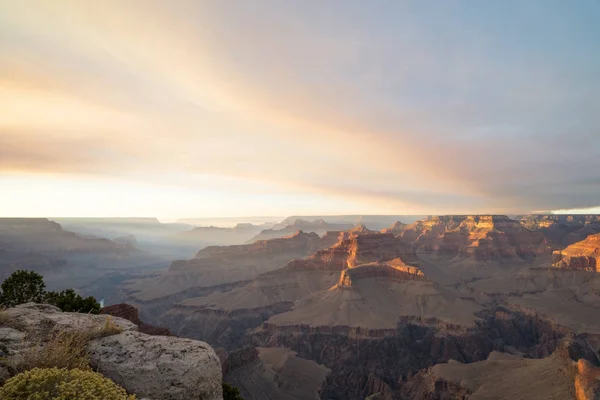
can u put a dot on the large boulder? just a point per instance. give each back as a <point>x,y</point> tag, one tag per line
<point>159,367</point>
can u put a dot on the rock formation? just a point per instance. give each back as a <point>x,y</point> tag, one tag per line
<point>481,237</point>
<point>562,230</point>
<point>156,367</point>
<point>584,255</point>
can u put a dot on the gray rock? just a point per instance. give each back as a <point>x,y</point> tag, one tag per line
<point>41,318</point>
<point>159,367</point>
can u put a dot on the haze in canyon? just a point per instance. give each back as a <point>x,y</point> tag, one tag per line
<point>346,200</point>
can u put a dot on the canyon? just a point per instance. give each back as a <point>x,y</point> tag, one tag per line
<point>446,307</point>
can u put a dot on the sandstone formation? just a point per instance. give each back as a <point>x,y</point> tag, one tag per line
<point>481,237</point>
<point>156,367</point>
<point>318,226</point>
<point>584,255</point>
<point>130,313</point>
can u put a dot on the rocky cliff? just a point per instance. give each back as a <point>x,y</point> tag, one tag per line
<point>480,237</point>
<point>584,255</point>
<point>156,367</point>
<point>562,230</point>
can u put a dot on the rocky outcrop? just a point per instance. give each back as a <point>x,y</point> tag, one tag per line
<point>391,270</point>
<point>584,255</point>
<point>130,313</point>
<point>318,226</point>
<point>355,247</point>
<point>480,237</point>
<point>156,367</point>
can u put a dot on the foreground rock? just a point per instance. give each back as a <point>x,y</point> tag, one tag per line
<point>156,367</point>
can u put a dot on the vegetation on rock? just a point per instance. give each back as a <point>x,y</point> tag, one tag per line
<point>62,384</point>
<point>231,392</point>
<point>28,286</point>
<point>22,287</point>
<point>69,301</point>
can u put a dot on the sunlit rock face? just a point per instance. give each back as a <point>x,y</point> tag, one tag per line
<point>583,255</point>
<point>481,237</point>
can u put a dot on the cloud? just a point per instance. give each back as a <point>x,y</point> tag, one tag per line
<point>397,105</point>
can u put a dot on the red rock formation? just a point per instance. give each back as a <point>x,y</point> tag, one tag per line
<point>394,269</point>
<point>355,247</point>
<point>584,255</point>
<point>130,313</point>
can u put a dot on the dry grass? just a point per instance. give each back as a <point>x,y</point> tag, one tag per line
<point>4,317</point>
<point>66,349</point>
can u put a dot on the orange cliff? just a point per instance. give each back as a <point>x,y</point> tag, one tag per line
<point>583,255</point>
<point>355,247</point>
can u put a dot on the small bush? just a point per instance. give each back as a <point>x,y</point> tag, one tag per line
<point>62,384</point>
<point>22,287</point>
<point>69,301</point>
<point>231,392</point>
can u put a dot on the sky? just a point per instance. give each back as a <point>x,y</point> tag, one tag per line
<point>235,108</point>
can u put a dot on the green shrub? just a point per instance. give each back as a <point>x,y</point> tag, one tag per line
<point>22,287</point>
<point>61,384</point>
<point>231,392</point>
<point>69,301</point>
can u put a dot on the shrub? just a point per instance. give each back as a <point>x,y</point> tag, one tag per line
<point>231,392</point>
<point>22,287</point>
<point>69,301</point>
<point>62,384</point>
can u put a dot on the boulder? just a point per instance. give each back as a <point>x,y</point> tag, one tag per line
<point>159,367</point>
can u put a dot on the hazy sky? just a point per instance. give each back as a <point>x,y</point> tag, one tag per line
<point>225,108</point>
